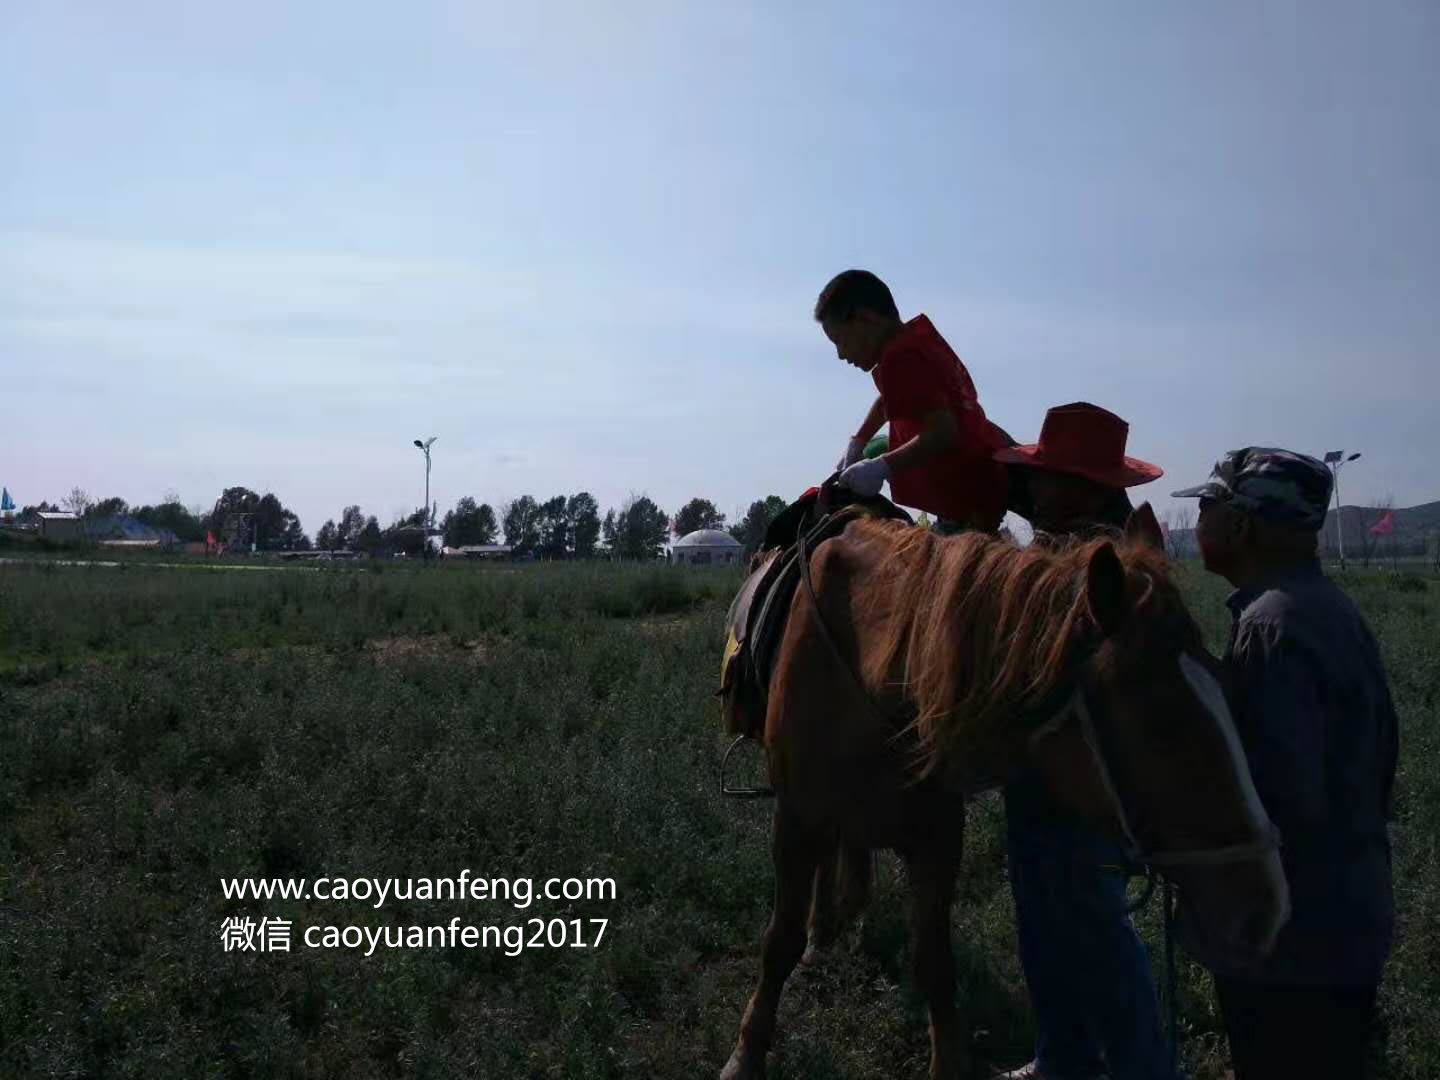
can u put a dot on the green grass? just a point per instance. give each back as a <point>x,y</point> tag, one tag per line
<point>163,729</point>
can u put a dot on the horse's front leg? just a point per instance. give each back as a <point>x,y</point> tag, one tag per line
<point>797,852</point>
<point>932,888</point>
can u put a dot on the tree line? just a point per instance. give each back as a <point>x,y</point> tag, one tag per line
<point>561,527</point>
<point>263,519</point>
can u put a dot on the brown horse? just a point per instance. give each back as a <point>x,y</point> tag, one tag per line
<point>965,654</point>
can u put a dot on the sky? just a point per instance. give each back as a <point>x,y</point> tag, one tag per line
<point>271,244</point>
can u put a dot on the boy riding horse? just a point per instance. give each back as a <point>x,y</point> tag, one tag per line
<point>941,443</point>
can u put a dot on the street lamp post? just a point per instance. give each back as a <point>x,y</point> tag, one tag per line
<point>1335,459</point>
<point>425,449</point>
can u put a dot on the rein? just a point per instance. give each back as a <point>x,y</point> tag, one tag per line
<point>1077,706</point>
<point>803,550</point>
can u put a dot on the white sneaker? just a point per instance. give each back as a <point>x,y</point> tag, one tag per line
<point>1031,1071</point>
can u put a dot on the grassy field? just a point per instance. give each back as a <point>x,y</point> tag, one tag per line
<point>165,729</point>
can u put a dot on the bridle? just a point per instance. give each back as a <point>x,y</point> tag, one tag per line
<point>1077,706</point>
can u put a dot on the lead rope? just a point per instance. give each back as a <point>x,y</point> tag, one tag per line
<point>1167,915</point>
<point>1172,983</point>
<point>1167,896</point>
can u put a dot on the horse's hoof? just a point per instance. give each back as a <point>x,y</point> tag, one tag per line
<point>812,955</point>
<point>739,1067</point>
<point>817,949</point>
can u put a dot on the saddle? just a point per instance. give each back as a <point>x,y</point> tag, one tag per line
<point>758,613</point>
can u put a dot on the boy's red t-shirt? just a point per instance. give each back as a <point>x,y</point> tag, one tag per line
<point>918,373</point>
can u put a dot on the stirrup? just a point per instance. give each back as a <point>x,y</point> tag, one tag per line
<point>744,792</point>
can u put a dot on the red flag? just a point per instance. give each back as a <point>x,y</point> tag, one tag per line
<point>1385,526</point>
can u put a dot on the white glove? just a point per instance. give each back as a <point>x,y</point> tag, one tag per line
<point>865,477</point>
<point>854,451</point>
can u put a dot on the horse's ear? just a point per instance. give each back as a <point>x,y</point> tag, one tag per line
<point>1141,525</point>
<point>1105,589</point>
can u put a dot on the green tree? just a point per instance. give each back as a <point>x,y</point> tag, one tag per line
<point>639,530</point>
<point>328,538</point>
<point>171,514</point>
<point>469,524</point>
<point>750,530</point>
<point>114,506</point>
<point>231,517</point>
<point>584,514</point>
<point>274,527</point>
<point>406,534</point>
<point>486,526</point>
<point>78,501</point>
<point>352,523</point>
<point>370,539</point>
<point>448,532</point>
<point>294,538</point>
<point>552,526</point>
<point>521,522</point>
<point>698,514</point>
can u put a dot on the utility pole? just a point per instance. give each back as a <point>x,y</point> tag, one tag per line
<point>1335,459</point>
<point>427,512</point>
<point>425,449</point>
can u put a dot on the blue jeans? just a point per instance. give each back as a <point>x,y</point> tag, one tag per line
<point>1091,991</point>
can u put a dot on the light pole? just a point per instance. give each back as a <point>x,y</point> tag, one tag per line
<point>1335,459</point>
<point>425,449</point>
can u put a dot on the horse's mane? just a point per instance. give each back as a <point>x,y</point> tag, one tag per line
<point>989,629</point>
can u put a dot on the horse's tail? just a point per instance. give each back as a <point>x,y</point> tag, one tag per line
<point>842,891</point>
<point>854,878</point>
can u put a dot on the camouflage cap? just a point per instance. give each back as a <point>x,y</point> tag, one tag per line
<point>1278,484</point>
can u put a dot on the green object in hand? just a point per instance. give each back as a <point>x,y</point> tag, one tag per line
<point>877,446</point>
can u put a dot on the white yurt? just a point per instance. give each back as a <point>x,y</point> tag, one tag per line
<point>705,547</point>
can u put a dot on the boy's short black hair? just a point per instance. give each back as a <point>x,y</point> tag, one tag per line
<point>851,290</point>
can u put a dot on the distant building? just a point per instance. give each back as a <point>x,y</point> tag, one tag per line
<point>706,547</point>
<point>478,551</point>
<point>119,530</point>
<point>58,524</point>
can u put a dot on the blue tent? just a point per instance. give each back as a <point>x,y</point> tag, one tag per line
<point>125,527</point>
<point>6,503</point>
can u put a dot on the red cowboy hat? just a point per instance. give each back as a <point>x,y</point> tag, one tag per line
<point>1086,440</point>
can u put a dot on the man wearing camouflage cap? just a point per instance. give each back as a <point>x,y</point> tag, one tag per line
<point>1314,714</point>
<point>1281,485</point>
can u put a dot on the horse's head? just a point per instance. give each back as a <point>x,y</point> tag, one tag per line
<point>1143,742</point>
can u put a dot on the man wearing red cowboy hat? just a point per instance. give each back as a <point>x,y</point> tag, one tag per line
<point>1074,479</point>
<point>1089,978</point>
